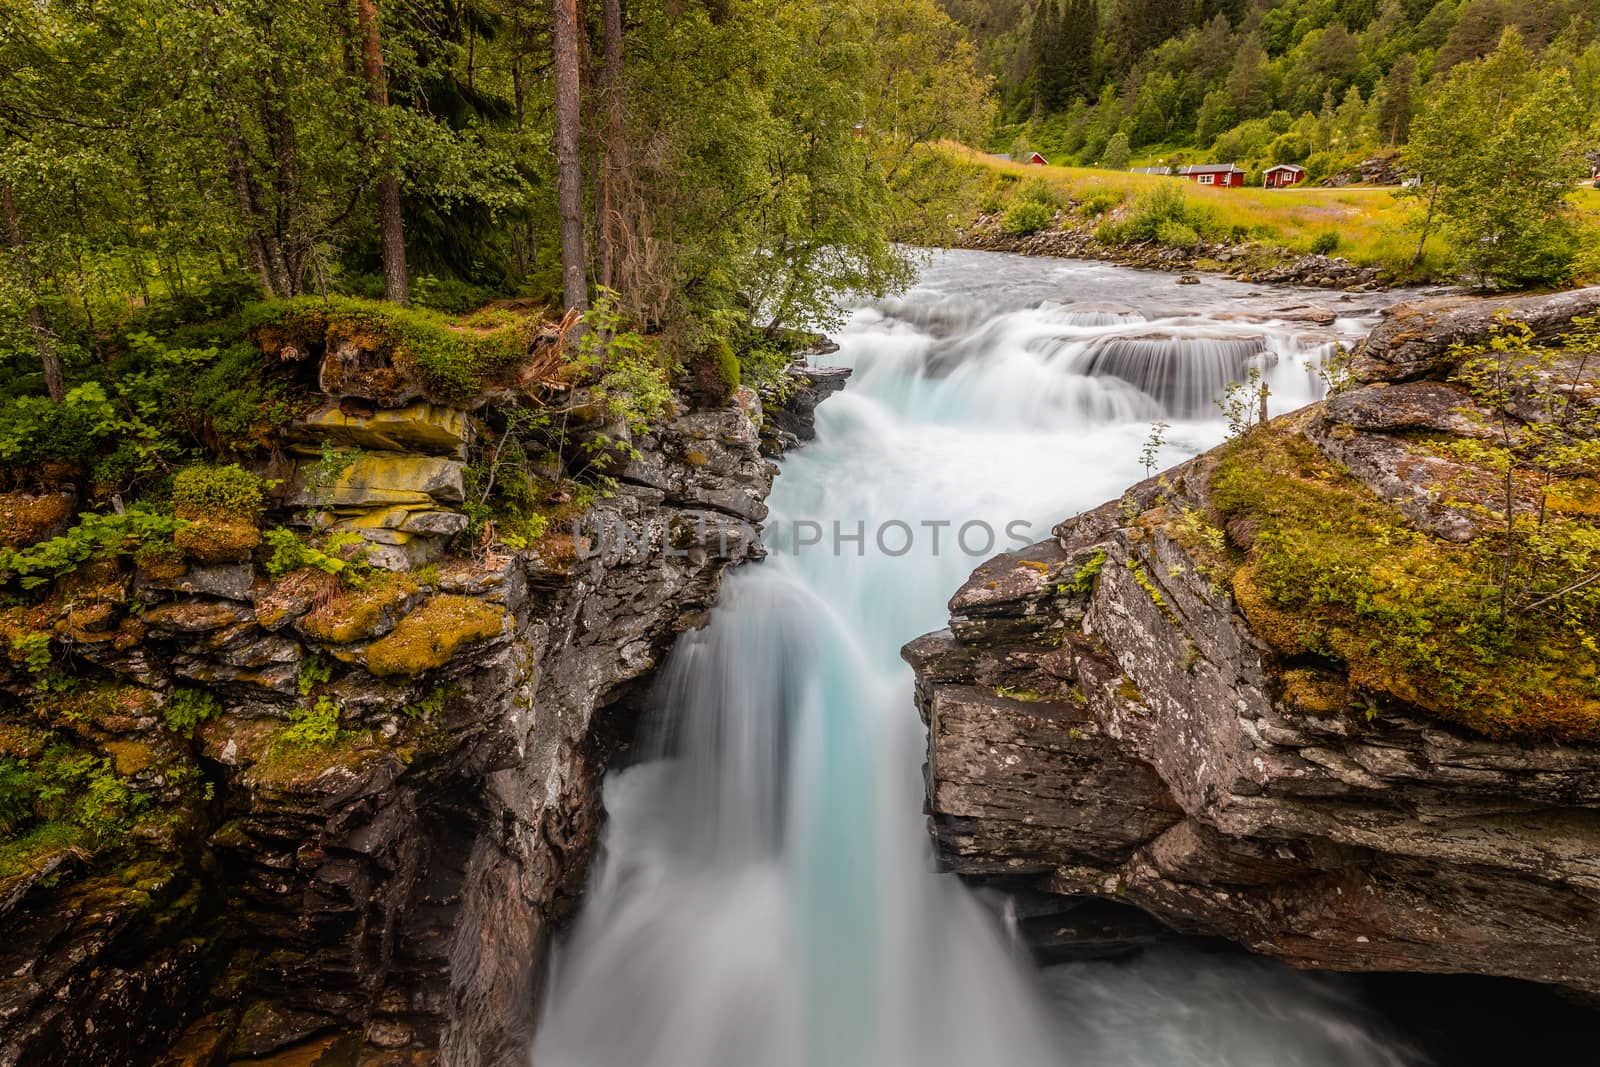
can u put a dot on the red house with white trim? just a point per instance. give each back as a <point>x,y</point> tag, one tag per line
<point>1224,174</point>
<point>1038,161</point>
<point>1283,175</point>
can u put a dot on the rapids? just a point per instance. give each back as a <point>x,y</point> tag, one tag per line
<point>766,895</point>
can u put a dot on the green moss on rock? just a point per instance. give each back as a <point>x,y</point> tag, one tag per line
<point>429,636</point>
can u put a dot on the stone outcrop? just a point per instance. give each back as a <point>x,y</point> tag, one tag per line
<point>1112,719</point>
<point>372,804</point>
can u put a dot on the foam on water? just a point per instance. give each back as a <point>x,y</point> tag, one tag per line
<point>766,894</point>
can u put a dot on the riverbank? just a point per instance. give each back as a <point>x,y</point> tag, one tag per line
<point>1242,261</point>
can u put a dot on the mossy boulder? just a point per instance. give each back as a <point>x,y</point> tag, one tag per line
<point>432,634</point>
<point>28,518</point>
<point>373,479</point>
<point>418,427</point>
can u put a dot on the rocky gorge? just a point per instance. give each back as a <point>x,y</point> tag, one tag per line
<point>1140,711</point>
<point>358,810</point>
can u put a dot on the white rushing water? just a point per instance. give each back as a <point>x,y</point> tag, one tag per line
<point>766,895</point>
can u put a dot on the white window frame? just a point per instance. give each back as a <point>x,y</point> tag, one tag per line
<point>1208,179</point>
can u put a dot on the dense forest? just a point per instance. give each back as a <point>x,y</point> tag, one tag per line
<point>1316,82</point>
<point>718,169</point>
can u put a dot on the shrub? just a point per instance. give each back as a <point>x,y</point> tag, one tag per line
<point>1096,201</point>
<point>204,492</point>
<point>1177,234</point>
<point>1325,243</point>
<point>1027,216</point>
<point>1037,191</point>
<point>1162,204</point>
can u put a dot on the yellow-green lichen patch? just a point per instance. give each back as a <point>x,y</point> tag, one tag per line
<point>1334,572</point>
<point>429,636</point>
<point>357,615</point>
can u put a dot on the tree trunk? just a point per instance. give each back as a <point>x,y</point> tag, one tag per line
<point>612,162</point>
<point>396,286</point>
<point>55,381</point>
<point>569,166</point>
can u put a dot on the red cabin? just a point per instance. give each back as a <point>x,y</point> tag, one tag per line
<point>1038,161</point>
<point>1283,175</point>
<point>1224,174</point>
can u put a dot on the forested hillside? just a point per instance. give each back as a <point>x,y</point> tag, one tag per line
<point>1318,82</point>
<point>696,158</point>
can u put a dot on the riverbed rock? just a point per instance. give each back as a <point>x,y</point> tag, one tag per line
<point>1117,713</point>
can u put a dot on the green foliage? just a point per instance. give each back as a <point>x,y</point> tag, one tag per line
<point>1176,234</point>
<point>1094,202</point>
<point>1117,153</point>
<point>1150,454</point>
<point>96,536</point>
<point>1498,150</point>
<point>1084,578</point>
<point>67,788</point>
<point>1243,403</point>
<point>1027,216</point>
<point>340,554</point>
<point>314,672</point>
<point>1164,208</point>
<point>188,708</point>
<point>631,378</point>
<point>1325,243</point>
<point>230,491</point>
<point>311,729</point>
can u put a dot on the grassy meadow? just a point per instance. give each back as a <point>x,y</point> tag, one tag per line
<point>1369,226</point>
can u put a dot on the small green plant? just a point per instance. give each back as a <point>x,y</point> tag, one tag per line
<point>1334,370</point>
<point>1150,455</point>
<point>342,554</point>
<point>1325,243</point>
<point>1083,580</point>
<point>1244,404</point>
<point>32,648</point>
<point>188,708</point>
<point>314,671</point>
<point>313,728</point>
<point>1027,216</point>
<point>97,535</point>
<point>318,481</point>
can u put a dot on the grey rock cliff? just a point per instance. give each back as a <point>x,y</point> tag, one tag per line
<point>1105,722</point>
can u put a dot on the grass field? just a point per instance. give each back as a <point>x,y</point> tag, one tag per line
<point>1373,225</point>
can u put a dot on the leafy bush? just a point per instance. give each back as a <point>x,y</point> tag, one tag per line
<point>340,555</point>
<point>1177,234</point>
<point>228,491</point>
<point>1325,243</point>
<point>1097,200</point>
<point>1038,191</point>
<point>1160,205</point>
<point>1027,216</point>
<point>95,536</point>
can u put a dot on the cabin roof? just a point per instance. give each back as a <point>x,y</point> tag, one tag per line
<point>1212,168</point>
<point>1292,167</point>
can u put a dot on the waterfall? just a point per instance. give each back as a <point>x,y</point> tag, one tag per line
<point>766,894</point>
